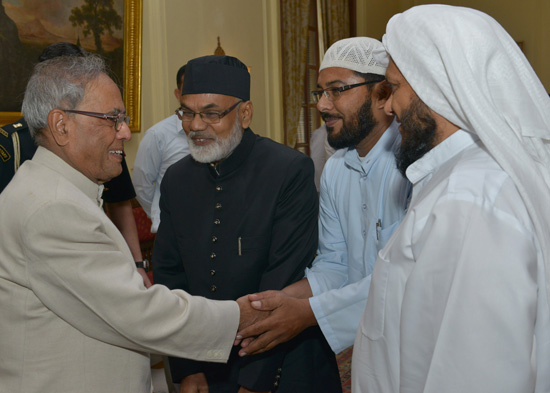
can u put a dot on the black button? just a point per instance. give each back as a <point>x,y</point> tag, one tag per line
<point>217,221</point>
<point>212,272</point>
<point>214,239</point>
<point>213,288</point>
<point>213,255</point>
<point>219,188</point>
<point>218,206</point>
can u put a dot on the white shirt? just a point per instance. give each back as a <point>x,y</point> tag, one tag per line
<point>320,152</point>
<point>356,195</point>
<point>161,146</point>
<point>457,295</point>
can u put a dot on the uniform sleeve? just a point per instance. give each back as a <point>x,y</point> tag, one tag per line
<point>16,147</point>
<point>77,268</point>
<point>146,170</point>
<point>7,167</point>
<point>470,306</point>
<point>293,245</point>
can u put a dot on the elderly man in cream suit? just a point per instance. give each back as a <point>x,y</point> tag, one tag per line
<point>75,315</point>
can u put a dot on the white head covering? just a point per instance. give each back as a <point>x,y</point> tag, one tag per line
<point>355,54</point>
<point>466,68</point>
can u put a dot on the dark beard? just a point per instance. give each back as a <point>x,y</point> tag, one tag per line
<point>353,132</point>
<point>418,130</point>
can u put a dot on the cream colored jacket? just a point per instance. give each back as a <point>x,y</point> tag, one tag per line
<point>74,314</point>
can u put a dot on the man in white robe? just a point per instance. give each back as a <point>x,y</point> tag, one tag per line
<point>459,296</point>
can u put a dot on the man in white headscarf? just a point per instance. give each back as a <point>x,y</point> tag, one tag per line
<point>459,296</point>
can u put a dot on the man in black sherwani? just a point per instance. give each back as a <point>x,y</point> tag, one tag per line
<point>239,215</point>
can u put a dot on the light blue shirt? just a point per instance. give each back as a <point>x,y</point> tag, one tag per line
<point>161,146</point>
<point>362,202</point>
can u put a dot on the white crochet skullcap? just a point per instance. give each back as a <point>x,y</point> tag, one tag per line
<point>356,54</point>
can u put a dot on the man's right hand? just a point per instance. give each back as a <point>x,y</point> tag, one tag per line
<point>288,317</point>
<point>249,315</point>
<point>194,383</point>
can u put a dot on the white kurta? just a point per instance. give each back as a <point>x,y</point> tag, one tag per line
<point>457,301</point>
<point>162,145</point>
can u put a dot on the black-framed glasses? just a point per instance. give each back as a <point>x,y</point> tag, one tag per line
<point>333,93</point>
<point>118,119</point>
<point>209,117</point>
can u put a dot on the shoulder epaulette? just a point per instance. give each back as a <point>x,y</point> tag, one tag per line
<point>12,131</point>
<point>9,129</point>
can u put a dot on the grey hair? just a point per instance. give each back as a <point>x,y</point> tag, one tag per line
<point>58,83</point>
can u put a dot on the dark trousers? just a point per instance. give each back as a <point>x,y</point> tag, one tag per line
<point>310,365</point>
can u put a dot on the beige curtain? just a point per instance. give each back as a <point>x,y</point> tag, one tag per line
<point>294,15</point>
<point>335,20</point>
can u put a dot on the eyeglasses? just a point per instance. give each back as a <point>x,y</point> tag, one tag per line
<point>119,119</point>
<point>208,117</point>
<point>333,93</point>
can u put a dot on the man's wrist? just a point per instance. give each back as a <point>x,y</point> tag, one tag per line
<point>143,265</point>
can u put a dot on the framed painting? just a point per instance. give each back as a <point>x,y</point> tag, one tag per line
<point>29,26</point>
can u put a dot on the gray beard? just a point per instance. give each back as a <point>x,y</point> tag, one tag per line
<point>220,149</point>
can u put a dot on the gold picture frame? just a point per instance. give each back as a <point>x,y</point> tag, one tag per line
<point>133,13</point>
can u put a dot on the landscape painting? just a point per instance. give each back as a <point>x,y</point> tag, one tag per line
<point>29,26</point>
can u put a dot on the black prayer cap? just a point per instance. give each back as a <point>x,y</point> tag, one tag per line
<point>181,72</point>
<point>217,74</point>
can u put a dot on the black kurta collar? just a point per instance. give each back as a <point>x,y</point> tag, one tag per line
<point>235,159</point>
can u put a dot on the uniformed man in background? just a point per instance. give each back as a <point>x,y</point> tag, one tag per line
<point>16,146</point>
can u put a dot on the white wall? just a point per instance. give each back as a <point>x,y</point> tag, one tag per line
<point>525,21</point>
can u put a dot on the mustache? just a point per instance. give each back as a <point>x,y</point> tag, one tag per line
<point>201,134</point>
<point>326,115</point>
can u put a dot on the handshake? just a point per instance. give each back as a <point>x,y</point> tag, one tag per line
<point>271,318</point>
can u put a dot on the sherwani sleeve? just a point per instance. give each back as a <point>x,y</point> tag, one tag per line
<point>293,246</point>
<point>81,269</point>
<point>168,270</point>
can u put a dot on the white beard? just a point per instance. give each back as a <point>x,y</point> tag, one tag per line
<point>219,149</point>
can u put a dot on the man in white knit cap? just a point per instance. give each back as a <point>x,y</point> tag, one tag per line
<point>459,296</point>
<point>363,199</point>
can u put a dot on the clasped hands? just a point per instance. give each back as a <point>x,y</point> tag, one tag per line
<point>270,318</point>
